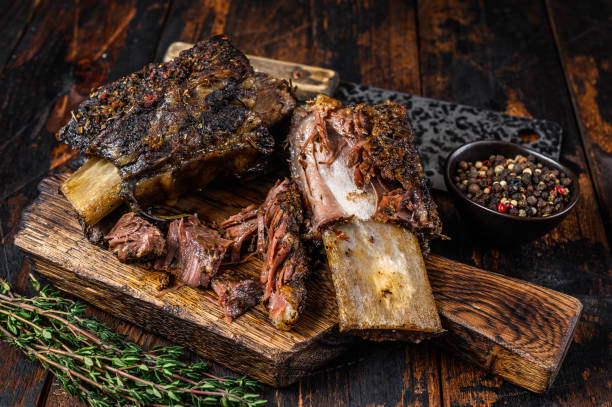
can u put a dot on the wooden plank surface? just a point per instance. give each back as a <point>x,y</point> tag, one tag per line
<point>14,20</point>
<point>579,30</point>
<point>501,55</point>
<point>377,44</point>
<point>50,70</point>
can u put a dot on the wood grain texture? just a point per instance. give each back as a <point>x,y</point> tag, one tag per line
<point>579,32</point>
<point>13,22</point>
<point>69,48</point>
<point>501,55</point>
<point>510,327</point>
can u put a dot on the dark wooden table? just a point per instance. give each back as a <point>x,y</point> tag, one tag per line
<point>547,59</point>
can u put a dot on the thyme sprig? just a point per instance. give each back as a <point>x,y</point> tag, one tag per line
<point>101,367</point>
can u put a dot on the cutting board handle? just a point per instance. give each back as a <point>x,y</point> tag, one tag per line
<point>514,329</point>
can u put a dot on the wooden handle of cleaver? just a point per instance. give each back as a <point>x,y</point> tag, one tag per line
<point>308,80</point>
<point>514,329</point>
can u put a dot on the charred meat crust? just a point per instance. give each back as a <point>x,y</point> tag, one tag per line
<point>133,238</point>
<point>162,125</point>
<point>391,154</point>
<point>376,145</point>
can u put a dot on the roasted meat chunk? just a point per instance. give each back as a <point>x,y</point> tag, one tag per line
<point>361,162</point>
<point>194,251</point>
<point>274,231</point>
<point>173,127</point>
<point>285,264</point>
<point>361,177</point>
<point>236,295</point>
<point>133,238</point>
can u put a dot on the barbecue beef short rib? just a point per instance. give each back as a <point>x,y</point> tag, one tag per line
<point>172,127</point>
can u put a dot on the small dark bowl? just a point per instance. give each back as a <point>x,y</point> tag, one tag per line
<point>495,227</point>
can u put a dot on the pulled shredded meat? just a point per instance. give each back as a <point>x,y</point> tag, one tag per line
<point>194,254</point>
<point>276,225</point>
<point>240,228</point>
<point>133,238</point>
<point>285,265</point>
<point>194,251</point>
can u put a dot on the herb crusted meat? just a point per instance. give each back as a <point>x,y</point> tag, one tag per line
<point>173,127</point>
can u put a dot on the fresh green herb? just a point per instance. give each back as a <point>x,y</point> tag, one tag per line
<point>101,367</point>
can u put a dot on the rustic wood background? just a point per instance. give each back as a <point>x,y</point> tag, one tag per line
<point>548,59</point>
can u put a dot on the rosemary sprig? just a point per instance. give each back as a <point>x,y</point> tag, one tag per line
<point>101,367</point>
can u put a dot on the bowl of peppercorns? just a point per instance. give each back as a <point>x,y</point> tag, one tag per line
<point>508,193</point>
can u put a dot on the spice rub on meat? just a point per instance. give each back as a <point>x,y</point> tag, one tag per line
<point>361,162</point>
<point>173,127</point>
<point>194,251</point>
<point>133,238</point>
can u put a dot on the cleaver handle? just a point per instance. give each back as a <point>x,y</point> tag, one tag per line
<point>308,80</point>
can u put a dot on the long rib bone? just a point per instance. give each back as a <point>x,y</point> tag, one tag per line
<point>358,169</point>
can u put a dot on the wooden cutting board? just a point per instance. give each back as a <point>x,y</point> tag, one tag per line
<point>510,327</point>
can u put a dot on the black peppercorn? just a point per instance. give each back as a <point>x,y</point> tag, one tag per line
<point>526,178</point>
<point>473,188</point>
<point>531,200</point>
<point>516,185</point>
